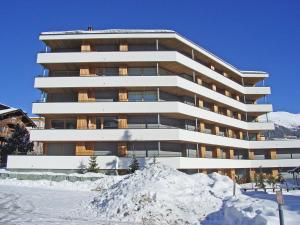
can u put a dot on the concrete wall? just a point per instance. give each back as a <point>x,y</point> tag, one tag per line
<point>114,162</point>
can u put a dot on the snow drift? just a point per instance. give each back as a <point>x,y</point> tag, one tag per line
<point>162,195</point>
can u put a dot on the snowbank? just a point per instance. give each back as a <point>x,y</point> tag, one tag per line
<point>104,182</point>
<point>162,195</point>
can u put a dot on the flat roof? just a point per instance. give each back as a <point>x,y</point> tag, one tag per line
<point>109,31</point>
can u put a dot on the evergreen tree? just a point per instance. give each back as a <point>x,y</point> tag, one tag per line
<point>261,179</point>
<point>280,178</point>
<point>18,143</point>
<point>93,165</point>
<point>134,165</point>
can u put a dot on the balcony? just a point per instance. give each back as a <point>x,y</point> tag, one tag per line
<point>135,81</point>
<point>155,135</point>
<point>145,108</point>
<point>134,57</point>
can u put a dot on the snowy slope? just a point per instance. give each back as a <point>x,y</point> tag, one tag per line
<point>285,119</point>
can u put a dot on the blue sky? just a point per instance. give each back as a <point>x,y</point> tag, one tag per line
<point>251,35</point>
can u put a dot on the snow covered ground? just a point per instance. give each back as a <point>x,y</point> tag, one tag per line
<point>155,195</point>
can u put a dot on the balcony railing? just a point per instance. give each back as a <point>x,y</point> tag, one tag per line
<point>184,76</point>
<point>190,56</point>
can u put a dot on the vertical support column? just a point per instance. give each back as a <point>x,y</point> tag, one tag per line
<point>214,87</point>
<point>122,146</point>
<point>87,71</point>
<point>217,152</point>
<point>250,154</point>
<point>82,122</point>
<point>158,143</point>
<point>230,155</point>
<point>123,96</point>
<point>123,71</point>
<point>239,116</point>
<point>45,148</point>
<point>122,149</point>
<point>86,46</point>
<point>202,151</point>
<point>202,126</point>
<point>123,93</point>
<point>200,103</point>
<point>216,108</point>
<point>122,122</point>
<point>241,135</point>
<point>227,93</point>
<point>229,112</point>
<point>251,172</point>
<point>184,152</point>
<point>84,148</point>
<point>91,122</point>
<point>199,81</point>
<point>158,120</point>
<point>272,154</point>
<point>123,47</point>
<point>230,132</point>
<point>216,130</point>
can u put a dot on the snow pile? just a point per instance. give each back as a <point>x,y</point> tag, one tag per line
<point>162,195</point>
<point>285,119</point>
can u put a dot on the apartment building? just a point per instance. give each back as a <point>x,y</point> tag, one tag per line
<point>119,93</point>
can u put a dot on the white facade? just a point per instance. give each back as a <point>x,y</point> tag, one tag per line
<point>150,92</point>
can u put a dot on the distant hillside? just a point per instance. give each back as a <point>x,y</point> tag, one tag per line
<point>287,125</point>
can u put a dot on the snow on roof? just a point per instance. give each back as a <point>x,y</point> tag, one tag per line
<point>10,109</point>
<point>108,31</point>
<point>4,111</point>
<point>253,72</point>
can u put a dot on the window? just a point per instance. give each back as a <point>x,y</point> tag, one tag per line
<point>111,71</point>
<point>149,96</point>
<point>137,96</point>
<point>148,71</point>
<point>71,124</point>
<point>110,123</point>
<point>57,124</point>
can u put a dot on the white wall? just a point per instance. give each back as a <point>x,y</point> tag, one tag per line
<point>158,35</point>
<point>156,135</point>
<point>148,81</point>
<point>113,162</point>
<point>143,56</point>
<point>148,107</point>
